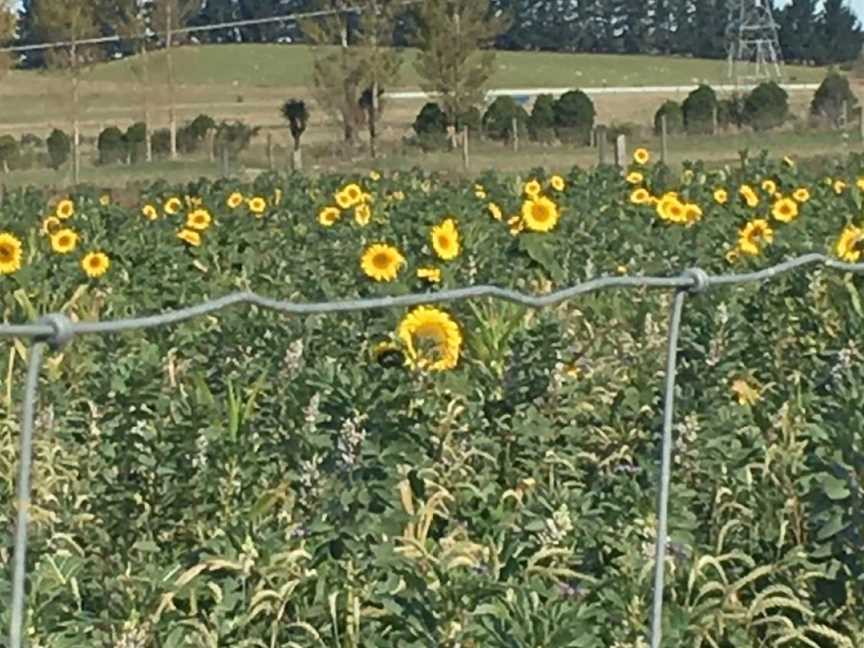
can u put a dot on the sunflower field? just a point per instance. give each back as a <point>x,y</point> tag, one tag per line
<point>470,474</point>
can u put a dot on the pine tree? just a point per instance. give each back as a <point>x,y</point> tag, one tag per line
<point>839,34</point>
<point>451,62</point>
<point>661,27</point>
<point>7,31</point>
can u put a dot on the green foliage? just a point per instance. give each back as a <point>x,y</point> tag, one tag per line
<point>112,146</point>
<point>698,109</point>
<point>766,107</point>
<point>255,479</point>
<point>541,123</point>
<point>674,118</point>
<point>430,127</point>
<point>472,118</point>
<point>499,116</point>
<point>8,152</point>
<point>730,112</point>
<point>136,140</point>
<point>59,148</point>
<point>161,142</point>
<point>574,117</point>
<point>234,137</point>
<point>829,99</point>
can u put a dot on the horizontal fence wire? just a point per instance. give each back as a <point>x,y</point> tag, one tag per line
<point>57,330</point>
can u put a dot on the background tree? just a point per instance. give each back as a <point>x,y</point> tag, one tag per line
<point>336,73</point>
<point>166,17</point>
<point>451,62</point>
<point>7,32</point>
<point>68,22</point>
<point>379,62</point>
<point>295,111</point>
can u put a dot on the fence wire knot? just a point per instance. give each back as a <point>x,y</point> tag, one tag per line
<point>701,280</point>
<point>63,330</point>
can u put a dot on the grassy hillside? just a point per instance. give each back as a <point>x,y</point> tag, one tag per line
<point>289,65</point>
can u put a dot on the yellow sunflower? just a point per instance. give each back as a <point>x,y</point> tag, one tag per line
<point>670,208</point>
<point>432,339</point>
<point>749,196</point>
<point>432,275</point>
<point>532,189</point>
<point>769,187</point>
<point>635,178</point>
<point>50,224</point>
<point>258,206</point>
<point>692,213</point>
<point>839,186</point>
<point>516,225</point>
<point>95,264</point>
<point>64,241</point>
<point>382,262</point>
<point>802,195</point>
<point>277,196</point>
<point>234,200</point>
<point>495,212</point>
<point>849,245</point>
<point>641,156</point>
<point>353,194</point>
<point>640,196</point>
<point>374,176</point>
<point>785,210</point>
<point>65,209</point>
<point>105,200</point>
<point>557,183</point>
<point>149,212</point>
<point>754,236</point>
<point>191,237</point>
<point>445,240</point>
<point>10,253</point>
<point>398,196</point>
<point>721,196</point>
<point>328,216</point>
<point>745,394</point>
<point>172,206</point>
<point>199,220</point>
<point>788,161</point>
<point>362,214</point>
<point>540,215</point>
<point>343,200</point>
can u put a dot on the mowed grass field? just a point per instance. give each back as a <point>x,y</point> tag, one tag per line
<point>249,82</point>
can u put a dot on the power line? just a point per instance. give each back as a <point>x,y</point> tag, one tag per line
<point>192,29</point>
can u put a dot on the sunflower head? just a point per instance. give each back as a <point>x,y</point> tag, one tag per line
<point>149,212</point>
<point>557,183</point>
<point>692,213</point>
<point>432,275</point>
<point>754,236</point>
<point>445,240</point>
<point>540,215</point>
<point>64,241</point>
<point>785,210</point>
<point>839,186</point>
<point>641,156</point>
<point>189,236</point>
<point>495,211</point>
<point>257,206</point>
<point>670,208</point>
<point>382,262</point>
<point>432,339</point>
<point>65,209</point>
<point>850,244</point>
<point>105,200</point>
<point>532,189</point>
<point>374,176</point>
<point>328,216</point>
<point>635,178</point>
<point>801,195</point>
<point>234,200</point>
<point>50,224</point>
<point>173,205</point>
<point>721,197</point>
<point>640,196</point>
<point>769,187</point>
<point>10,253</point>
<point>199,220</point>
<point>95,264</point>
<point>749,196</point>
<point>353,194</point>
<point>362,214</point>
<point>745,394</point>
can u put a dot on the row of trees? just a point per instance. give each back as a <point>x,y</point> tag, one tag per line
<point>810,30</point>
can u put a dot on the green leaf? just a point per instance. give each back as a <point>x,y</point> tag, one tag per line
<point>835,489</point>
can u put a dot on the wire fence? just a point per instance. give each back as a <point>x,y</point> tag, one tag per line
<point>55,331</point>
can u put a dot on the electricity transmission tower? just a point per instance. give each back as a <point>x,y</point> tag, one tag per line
<point>753,42</point>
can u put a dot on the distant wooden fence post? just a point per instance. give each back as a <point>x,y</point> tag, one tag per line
<point>297,159</point>
<point>211,145</point>
<point>621,151</point>
<point>515,135</point>
<point>844,115</point>
<point>714,120</point>
<point>600,136</point>
<point>664,140</point>
<point>466,159</point>
<point>861,122</point>
<point>224,162</point>
<point>269,150</point>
